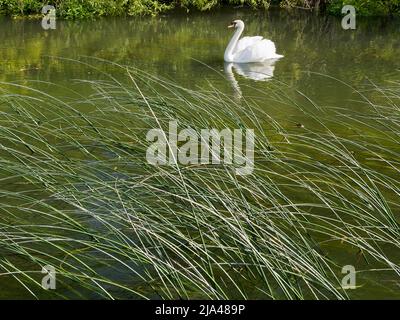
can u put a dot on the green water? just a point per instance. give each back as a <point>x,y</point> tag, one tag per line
<point>180,46</point>
<point>322,61</point>
<point>188,49</point>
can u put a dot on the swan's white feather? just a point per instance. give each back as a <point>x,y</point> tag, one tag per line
<point>248,49</point>
<point>257,50</point>
<point>245,42</point>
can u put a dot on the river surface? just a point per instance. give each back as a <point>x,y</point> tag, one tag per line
<point>189,50</point>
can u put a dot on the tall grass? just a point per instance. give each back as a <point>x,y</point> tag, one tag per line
<point>77,193</point>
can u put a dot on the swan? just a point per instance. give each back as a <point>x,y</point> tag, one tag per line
<point>248,49</point>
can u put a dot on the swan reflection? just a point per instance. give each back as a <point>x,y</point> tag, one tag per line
<point>258,71</point>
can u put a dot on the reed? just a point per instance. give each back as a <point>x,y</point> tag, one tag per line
<point>77,193</point>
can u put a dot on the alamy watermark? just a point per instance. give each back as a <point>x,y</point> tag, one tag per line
<point>49,280</point>
<point>205,147</point>
<point>349,280</point>
<point>349,20</point>
<point>49,19</point>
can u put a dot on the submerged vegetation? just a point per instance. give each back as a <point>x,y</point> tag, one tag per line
<point>77,193</point>
<point>78,9</point>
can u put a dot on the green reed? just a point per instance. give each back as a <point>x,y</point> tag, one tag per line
<point>77,193</point>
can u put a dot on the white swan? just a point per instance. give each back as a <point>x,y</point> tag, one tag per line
<point>248,49</point>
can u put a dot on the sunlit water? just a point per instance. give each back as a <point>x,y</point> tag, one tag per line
<point>321,60</point>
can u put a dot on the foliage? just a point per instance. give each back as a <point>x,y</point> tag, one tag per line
<point>21,7</point>
<point>367,7</point>
<point>79,9</point>
<point>304,4</point>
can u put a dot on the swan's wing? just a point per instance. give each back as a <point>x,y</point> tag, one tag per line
<point>246,42</point>
<point>258,51</point>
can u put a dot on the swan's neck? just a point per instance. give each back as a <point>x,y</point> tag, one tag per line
<point>228,55</point>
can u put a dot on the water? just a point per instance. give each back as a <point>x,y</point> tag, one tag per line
<point>188,49</point>
<point>179,46</point>
<point>322,61</point>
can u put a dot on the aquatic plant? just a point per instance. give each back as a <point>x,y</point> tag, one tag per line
<point>77,193</point>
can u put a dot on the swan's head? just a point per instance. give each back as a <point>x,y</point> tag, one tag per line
<point>236,24</point>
